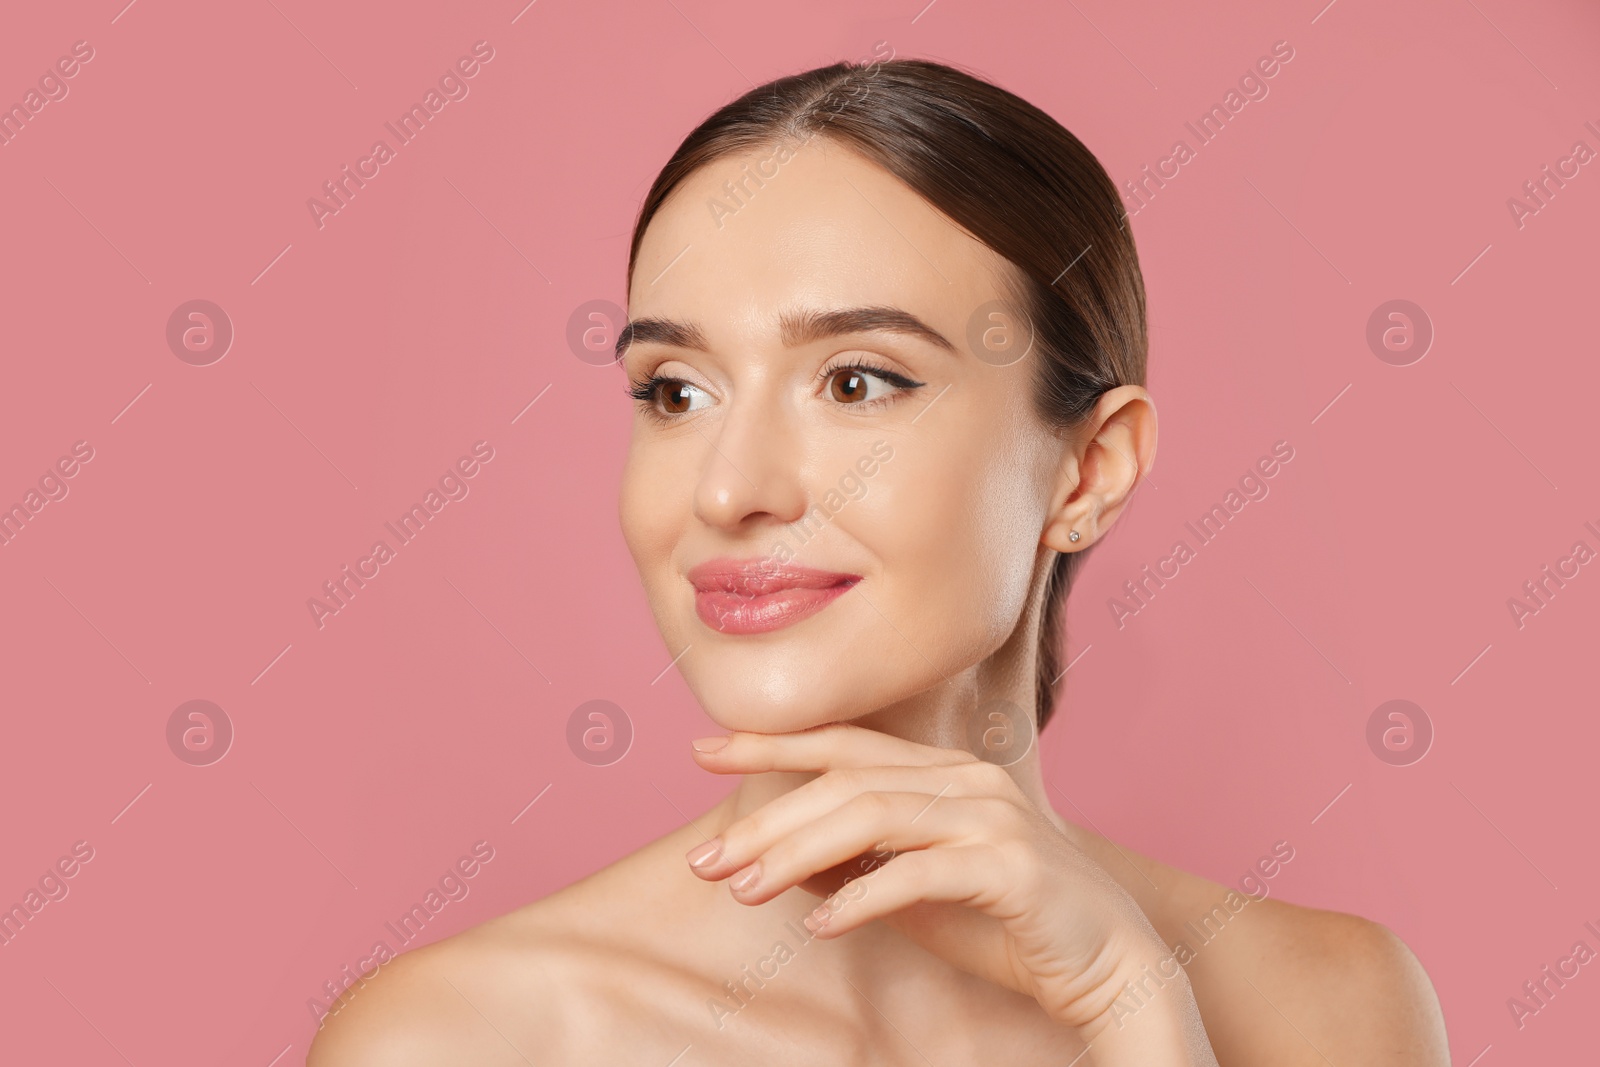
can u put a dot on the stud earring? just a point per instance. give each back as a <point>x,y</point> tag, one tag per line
<point>1073,536</point>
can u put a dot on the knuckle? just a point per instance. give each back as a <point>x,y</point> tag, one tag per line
<point>989,777</point>
<point>996,858</point>
<point>996,812</point>
<point>1018,859</point>
<point>739,838</point>
<point>1001,819</point>
<point>872,804</point>
<point>843,782</point>
<point>1021,858</point>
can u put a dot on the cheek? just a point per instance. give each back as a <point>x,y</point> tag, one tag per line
<point>651,508</point>
<point>631,512</point>
<point>956,531</point>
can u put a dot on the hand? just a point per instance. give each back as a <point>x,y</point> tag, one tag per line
<point>945,848</point>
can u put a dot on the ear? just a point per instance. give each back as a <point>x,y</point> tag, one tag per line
<point>1104,460</point>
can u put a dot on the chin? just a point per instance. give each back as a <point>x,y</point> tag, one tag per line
<point>744,697</point>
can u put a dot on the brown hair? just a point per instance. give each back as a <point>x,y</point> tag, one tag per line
<point>1013,177</point>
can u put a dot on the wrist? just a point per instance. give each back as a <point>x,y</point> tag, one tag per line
<point>1147,980</point>
<point>1152,1018</point>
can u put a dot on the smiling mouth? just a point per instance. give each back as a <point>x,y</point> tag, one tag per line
<point>742,599</point>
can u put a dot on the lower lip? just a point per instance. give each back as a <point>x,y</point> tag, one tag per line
<point>730,613</point>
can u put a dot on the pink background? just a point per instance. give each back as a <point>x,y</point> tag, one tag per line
<point>370,353</point>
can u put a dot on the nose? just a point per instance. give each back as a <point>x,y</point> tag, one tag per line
<point>751,467</point>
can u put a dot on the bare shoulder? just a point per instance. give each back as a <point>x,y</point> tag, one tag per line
<point>477,997</point>
<point>554,981</point>
<point>1281,984</point>
<point>1289,984</point>
<point>1351,985</point>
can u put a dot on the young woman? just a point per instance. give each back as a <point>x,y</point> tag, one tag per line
<point>887,344</point>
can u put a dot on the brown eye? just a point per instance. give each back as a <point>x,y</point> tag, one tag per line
<point>848,386</point>
<point>673,394</point>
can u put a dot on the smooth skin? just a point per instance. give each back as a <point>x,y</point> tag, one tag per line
<point>966,921</point>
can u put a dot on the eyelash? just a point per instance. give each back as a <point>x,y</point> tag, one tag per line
<point>644,392</point>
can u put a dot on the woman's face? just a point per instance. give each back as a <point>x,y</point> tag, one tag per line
<point>878,455</point>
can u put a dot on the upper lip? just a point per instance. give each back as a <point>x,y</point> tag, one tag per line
<point>756,577</point>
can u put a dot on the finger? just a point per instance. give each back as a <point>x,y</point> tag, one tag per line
<point>823,748</point>
<point>967,874</point>
<point>884,824</point>
<point>742,841</point>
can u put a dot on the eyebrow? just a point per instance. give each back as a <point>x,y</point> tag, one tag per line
<point>797,328</point>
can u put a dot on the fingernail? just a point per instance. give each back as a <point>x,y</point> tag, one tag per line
<point>817,919</point>
<point>747,877</point>
<point>709,744</point>
<point>701,855</point>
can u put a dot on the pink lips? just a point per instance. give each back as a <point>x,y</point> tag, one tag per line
<point>752,597</point>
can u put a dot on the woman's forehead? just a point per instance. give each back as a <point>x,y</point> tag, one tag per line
<point>825,228</point>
